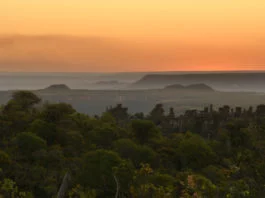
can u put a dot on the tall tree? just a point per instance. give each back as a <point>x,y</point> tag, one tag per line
<point>157,114</point>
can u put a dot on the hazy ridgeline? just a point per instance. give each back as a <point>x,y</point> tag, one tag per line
<point>91,93</point>
<point>225,81</point>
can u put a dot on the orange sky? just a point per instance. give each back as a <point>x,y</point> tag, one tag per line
<point>125,35</point>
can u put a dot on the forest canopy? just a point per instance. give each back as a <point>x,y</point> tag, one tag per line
<point>209,153</point>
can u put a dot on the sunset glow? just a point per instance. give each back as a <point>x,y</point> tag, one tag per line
<point>139,35</point>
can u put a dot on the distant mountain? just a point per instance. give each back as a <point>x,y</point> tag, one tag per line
<point>218,81</point>
<point>199,87</point>
<point>58,87</point>
<point>193,87</point>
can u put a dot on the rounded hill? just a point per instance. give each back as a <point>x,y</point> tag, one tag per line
<point>58,87</point>
<point>192,87</point>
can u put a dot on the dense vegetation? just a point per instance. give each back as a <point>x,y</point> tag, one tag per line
<point>159,155</point>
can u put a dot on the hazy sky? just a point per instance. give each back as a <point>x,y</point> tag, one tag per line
<point>125,35</point>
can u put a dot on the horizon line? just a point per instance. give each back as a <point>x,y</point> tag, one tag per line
<point>160,71</point>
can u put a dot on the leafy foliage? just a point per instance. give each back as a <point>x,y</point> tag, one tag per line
<point>209,154</point>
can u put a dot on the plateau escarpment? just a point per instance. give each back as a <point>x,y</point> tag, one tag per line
<point>218,81</point>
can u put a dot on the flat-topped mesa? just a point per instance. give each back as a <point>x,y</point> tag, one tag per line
<point>192,87</point>
<point>58,87</point>
<point>231,77</point>
<point>221,81</point>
